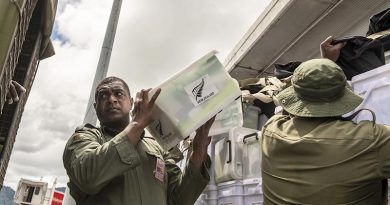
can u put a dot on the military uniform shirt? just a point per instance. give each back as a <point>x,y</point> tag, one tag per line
<point>324,161</point>
<point>105,168</point>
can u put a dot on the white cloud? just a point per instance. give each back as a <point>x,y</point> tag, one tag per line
<point>154,40</point>
<point>83,23</point>
<point>157,38</point>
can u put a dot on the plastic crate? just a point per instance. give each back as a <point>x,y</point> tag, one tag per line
<point>231,193</point>
<point>190,98</point>
<point>251,116</point>
<point>209,196</point>
<point>253,192</point>
<point>251,156</point>
<point>229,154</point>
<point>374,87</point>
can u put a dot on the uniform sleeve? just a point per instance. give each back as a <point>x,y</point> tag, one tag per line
<point>382,133</point>
<point>91,165</point>
<point>185,188</point>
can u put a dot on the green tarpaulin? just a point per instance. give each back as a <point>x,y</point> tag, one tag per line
<point>9,20</point>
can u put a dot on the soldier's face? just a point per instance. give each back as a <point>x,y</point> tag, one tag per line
<point>113,103</point>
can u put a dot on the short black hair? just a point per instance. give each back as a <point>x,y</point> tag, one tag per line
<point>112,79</point>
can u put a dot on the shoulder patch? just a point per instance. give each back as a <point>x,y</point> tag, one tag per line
<point>77,137</point>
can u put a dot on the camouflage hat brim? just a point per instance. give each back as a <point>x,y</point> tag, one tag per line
<point>290,102</point>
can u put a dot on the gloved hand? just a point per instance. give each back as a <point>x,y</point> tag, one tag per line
<point>330,50</point>
<point>15,89</point>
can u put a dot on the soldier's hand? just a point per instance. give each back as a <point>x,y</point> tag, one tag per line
<point>200,143</point>
<point>143,107</point>
<point>330,51</point>
<point>13,93</point>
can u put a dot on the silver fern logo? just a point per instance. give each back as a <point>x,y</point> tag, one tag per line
<point>201,90</point>
<point>158,128</point>
<point>197,91</point>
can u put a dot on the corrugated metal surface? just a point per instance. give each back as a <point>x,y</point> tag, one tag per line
<point>17,32</point>
<point>350,18</point>
<point>21,65</point>
<point>298,30</point>
<point>9,17</point>
<point>12,114</point>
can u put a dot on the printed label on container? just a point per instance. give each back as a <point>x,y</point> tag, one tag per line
<point>201,90</point>
<point>163,131</point>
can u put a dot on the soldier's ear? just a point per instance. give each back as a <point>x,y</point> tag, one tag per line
<point>94,105</point>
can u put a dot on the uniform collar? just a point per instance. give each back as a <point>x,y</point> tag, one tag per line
<point>110,132</point>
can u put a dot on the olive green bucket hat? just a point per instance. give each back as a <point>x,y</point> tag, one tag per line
<point>318,89</point>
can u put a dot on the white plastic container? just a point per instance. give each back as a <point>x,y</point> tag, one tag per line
<point>209,196</point>
<point>251,156</point>
<point>251,116</point>
<point>374,87</point>
<point>262,120</point>
<point>253,192</point>
<point>228,155</point>
<point>228,159</point>
<point>190,98</point>
<point>228,118</point>
<point>231,193</point>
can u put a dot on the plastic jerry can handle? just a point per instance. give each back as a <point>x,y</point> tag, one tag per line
<point>230,151</point>
<point>250,135</point>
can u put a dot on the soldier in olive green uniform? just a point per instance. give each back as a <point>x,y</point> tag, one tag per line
<point>116,164</point>
<point>313,155</point>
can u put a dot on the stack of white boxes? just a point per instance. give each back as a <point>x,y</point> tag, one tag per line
<point>236,160</point>
<point>209,196</point>
<point>374,87</point>
<point>231,192</point>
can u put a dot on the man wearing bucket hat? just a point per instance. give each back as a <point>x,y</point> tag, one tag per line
<point>313,155</point>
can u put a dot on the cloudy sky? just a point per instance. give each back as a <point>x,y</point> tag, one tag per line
<point>154,40</point>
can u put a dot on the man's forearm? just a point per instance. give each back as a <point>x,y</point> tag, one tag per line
<point>197,159</point>
<point>134,131</point>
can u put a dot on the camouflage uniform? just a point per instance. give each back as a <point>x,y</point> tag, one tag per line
<point>324,161</point>
<point>104,167</point>
<point>313,155</point>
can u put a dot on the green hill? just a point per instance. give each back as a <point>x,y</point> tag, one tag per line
<point>7,196</point>
<point>61,189</point>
